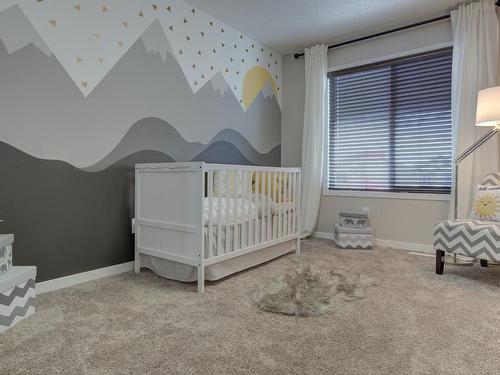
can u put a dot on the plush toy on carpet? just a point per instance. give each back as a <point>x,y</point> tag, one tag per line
<point>303,292</point>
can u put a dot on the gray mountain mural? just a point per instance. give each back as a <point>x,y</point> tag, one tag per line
<point>155,134</point>
<point>57,122</point>
<point>17,32</point>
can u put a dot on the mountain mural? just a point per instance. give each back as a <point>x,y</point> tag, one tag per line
<point>155,134</point>
<point>44,116</point>
<point>89,38</point>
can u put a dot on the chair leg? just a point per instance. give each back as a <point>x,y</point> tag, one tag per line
<point>483,262</point>
<point>439,262</point>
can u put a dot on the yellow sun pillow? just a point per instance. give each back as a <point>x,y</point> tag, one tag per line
<point>486,205</point>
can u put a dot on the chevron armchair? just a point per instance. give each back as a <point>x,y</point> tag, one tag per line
<point>473,238</point>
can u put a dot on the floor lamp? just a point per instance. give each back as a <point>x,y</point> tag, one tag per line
<point>487,114</point>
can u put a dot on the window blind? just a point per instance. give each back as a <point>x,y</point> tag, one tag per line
<point>390,126</point>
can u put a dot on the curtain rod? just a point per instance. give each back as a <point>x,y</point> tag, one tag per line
<point>297,55</point>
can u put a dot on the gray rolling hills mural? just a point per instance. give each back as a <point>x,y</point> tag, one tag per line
<point>67,162</point>
<point>155,134</point>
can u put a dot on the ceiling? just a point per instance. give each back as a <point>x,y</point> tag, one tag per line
<point>290,25</point>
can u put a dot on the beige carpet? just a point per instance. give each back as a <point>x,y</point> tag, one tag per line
<point>413,322</point>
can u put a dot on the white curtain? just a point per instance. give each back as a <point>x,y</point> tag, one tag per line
<point>475,61</point>
<point>313,137</point>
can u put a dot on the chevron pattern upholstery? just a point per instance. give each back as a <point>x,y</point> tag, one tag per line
<point>492,179</point>
<point>472,238</point>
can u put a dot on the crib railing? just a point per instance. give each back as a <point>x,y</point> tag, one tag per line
<point>249,208</point>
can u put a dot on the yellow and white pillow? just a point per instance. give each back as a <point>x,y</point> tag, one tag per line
<point>235,179</point>
<point>278,191</point>
<point>486,205</point>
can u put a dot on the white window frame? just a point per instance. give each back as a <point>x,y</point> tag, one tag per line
<point>377,194</point>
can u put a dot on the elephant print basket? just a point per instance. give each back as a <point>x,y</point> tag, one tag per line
<point>353,220</point>
<point>353,232</point>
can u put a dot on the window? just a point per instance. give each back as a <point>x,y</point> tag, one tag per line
<point>390,126</point>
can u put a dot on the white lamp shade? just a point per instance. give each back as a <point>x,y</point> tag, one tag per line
<point>488,107</point>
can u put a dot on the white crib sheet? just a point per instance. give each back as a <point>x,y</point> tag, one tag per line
<point>240,210</point>
<point>246,209</point>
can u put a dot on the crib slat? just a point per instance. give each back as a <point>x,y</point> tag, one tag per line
<point>226,192</point>
<point>237,208</point>
<point>289,230</point>
<point>283,210</point>
<point>274,187</point>
<point>244,203</point>
<point>294,206</point>
<point>299,203</point>
<point>280,200</point>
<point>250,212</point>
<point>262,207</point>
<point>268,203</point>
<point>255,199</point>
<point>285,203</point>
<point>251,231</point>
<point>248,204</point>
<point>288,211</point>
<point>210,212</point>
<point>218,250</point>
<point>251,222</point>
<point>286,199</point>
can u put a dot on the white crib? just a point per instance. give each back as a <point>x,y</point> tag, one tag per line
<point>200,214</point>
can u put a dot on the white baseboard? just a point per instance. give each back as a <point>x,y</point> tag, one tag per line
<point>67,281</point>
<point>323,235</point>
<point>410,246</point>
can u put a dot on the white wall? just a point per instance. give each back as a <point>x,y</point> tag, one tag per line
<point>403,220</point>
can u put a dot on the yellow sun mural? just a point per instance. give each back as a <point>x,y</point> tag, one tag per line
<point>255,80</point>
<point>487,206</point>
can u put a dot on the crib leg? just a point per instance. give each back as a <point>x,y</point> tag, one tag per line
<point>201,279</point>
<point>137,262</point>
<point>297,246</point>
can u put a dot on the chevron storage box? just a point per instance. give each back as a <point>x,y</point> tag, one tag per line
<point>472,238</point>
<point>353,238</point>
<point>17,296</point>
<point>6,241</point>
